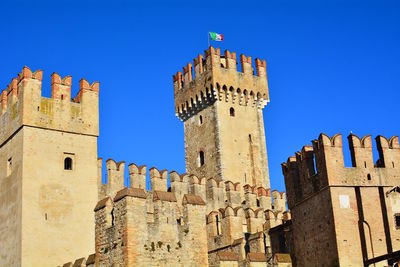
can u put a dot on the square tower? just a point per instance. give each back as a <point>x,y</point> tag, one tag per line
<point>48,173</point>
<point>221,109</point>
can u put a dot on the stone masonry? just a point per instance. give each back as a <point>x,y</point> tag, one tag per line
<point>344,216</point>
<point>48,152</point>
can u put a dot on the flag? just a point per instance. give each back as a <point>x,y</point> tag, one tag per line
<point>216,36</point>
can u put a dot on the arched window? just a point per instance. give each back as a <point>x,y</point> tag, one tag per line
<point>232,112</point>
<point>201,158</point>
<point>68,163</point>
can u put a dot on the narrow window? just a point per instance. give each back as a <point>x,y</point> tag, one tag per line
<point>258,203</point>
<point>250,138</point>
<point>232,112</point>
<point>397,220</point>
<point>200,120</point>
<point>218,225</point>
<point>393,164</point>
<point>45,216</point>
<point>201,158</point>
<point>369,177</point>
<point>112,217</point>
<point>9,166</point>
<point>68,163</point>
<point>365,164</point>
<point>62,97</point>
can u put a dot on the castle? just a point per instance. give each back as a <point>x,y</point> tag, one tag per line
<point>222,212</point>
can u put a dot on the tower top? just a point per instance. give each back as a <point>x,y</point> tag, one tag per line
<point>216,77</point>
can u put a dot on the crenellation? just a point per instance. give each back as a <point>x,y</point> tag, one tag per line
<point>61,87</point>
<point>245,62</point>
<point>279,200</point>
<point>361,151</point>
<point>215,72</point>
<point>389,151</point>
<point>137,176</point>
<point>198,65</point>
<point>233,193</point>
<point>250,195</point>
<point>230,59</point>
<point>158,179</point>
<point>303,179</point>
<point>261,67</point>
<point>132,240</point>
<point>22,104</point>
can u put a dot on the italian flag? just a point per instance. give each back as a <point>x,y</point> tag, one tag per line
<point>216,36</point>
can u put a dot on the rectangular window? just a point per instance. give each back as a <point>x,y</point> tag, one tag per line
<point>9,166</point>
<point>397,220</point>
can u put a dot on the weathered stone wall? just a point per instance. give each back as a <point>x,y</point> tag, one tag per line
<point>11,200</point>
<point>125,238</point>
<point>222,113</point>
<point>39,197</point>
<point>328,200</point>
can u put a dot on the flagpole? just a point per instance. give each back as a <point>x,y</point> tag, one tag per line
<point>208,37</point>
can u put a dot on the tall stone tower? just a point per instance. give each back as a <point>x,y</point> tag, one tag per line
<point>48,173</point>
<point>221,108</point>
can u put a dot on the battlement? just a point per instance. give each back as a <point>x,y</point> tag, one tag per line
<point>215,193</point>
<point>23,104</point>
<point>216,78</point>
<point>322,164</point>
<point>124,224</point>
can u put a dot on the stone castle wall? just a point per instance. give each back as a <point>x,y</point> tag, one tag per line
<point>44,207</point>
<point>349,211</point>
<point>221,108</point>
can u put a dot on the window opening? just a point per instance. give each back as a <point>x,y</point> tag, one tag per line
<point>232,112</point>
<point>201,157</point>
<point>9,166</point>
<point>68,163</point>
<point>397,220</point>
<point>62,97</point>
<point>369,176</point>
<point>201,120</point>
<point>218,225</point>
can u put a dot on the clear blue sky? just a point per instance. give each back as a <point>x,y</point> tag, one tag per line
<point>333,66</point>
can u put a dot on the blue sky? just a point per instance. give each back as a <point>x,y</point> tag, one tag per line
<point>333,66</point>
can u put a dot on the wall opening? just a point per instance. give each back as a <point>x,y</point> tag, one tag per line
<point>200,120</point>
<point>218,225</point>
<point>9,166</point>
<point>201,158</point>
<point>232,112</point>
<point>62,97</point>
<point>397,220</point>
<point>68,163</point>
<point>369,177</point>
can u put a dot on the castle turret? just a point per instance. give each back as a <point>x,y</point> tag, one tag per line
<point>221,108</point>
<point>48,180</point>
